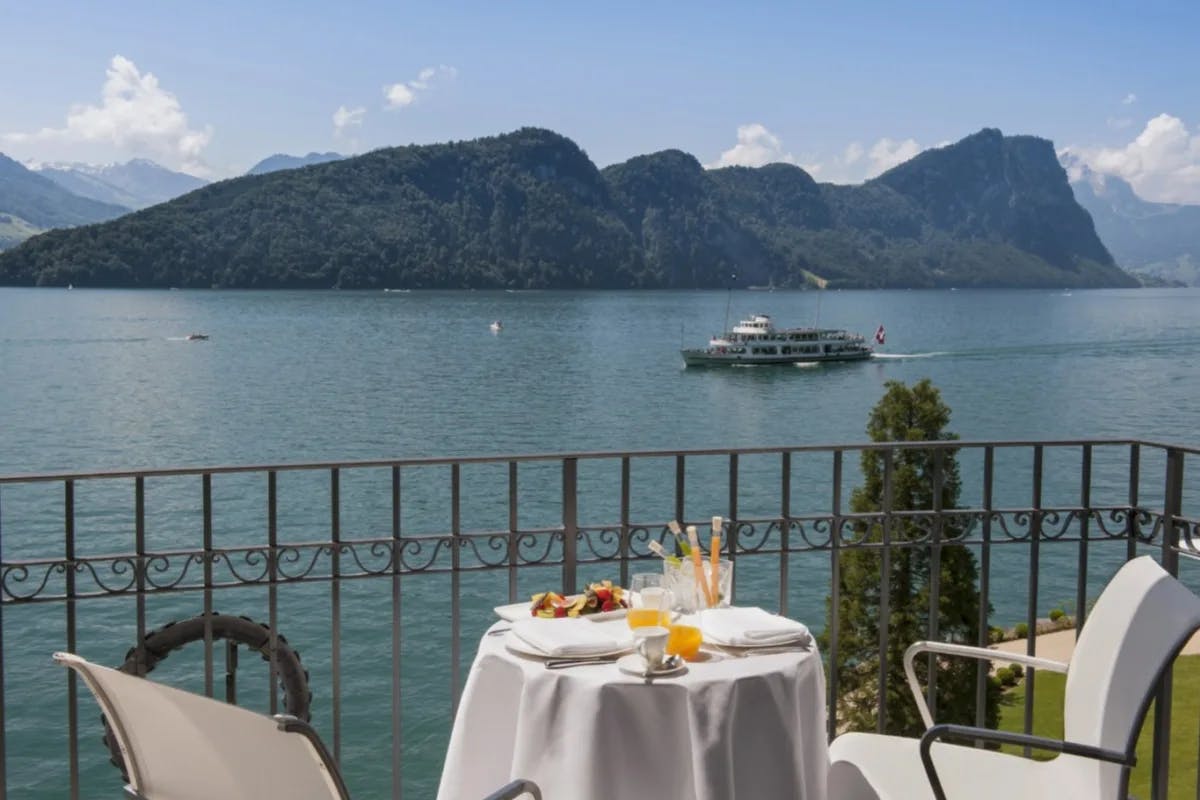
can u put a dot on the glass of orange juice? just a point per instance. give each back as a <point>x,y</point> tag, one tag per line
<point>684,641</point>
<point>649,603</point>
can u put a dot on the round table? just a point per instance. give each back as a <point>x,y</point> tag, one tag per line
<point>733,726</point>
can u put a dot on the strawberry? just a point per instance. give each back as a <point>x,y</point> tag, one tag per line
<point>560,611</point>
<point>603,595</point>
<point>608,605</point>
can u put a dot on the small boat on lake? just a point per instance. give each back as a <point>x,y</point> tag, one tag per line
<point>496,326</point>
<point>757,341</point>
<point>197,337</point>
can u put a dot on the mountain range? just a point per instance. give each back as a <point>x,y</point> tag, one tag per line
<point>529,209</point>
<point>135,184</point>
<point>1158,241</point>
<point>281,161</point>
<point>31,203</point>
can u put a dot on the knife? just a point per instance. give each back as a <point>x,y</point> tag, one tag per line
<point>563,663</point>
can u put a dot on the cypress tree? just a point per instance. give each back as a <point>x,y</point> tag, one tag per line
<point>906,414</point>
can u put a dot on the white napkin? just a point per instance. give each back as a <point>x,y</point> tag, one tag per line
<point>569,637</point>
<point>749,627</point>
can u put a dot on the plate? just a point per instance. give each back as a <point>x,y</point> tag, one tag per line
<point>518,645</point>
<point>789,642</point>
<point>768,643</point>
<point>515,611</point>
<point>634,664</point>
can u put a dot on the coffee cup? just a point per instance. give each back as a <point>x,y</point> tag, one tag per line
<point>652,645</point>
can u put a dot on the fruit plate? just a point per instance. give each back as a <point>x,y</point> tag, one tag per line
<point>518,645</point>
<point>515,611</point>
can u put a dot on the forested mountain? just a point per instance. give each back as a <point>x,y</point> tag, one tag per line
<point>529,209</point>
<point>282,161</point>
<point>1159,241</point>
<point>135,184</point>
<point>30,203</point>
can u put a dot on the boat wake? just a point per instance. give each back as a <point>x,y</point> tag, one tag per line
<point>898,356</point>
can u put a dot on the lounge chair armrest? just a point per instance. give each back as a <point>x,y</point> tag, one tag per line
<point>515,789</point>
<point>965,651</point>
<point>289,724</point>
<point>1008,737</point>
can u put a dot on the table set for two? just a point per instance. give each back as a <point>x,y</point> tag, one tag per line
<point>670,693</point>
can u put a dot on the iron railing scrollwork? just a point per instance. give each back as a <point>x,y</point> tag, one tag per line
<point>780,510</point>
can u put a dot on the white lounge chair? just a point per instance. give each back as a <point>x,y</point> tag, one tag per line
<point>182,746</point>
<point>1139,624</point>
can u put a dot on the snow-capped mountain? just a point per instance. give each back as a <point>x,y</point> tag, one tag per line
<point>134,184</point>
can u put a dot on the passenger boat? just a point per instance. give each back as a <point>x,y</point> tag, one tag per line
<point>757,341</point>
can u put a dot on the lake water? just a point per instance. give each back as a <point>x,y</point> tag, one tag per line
<point>95,380</point>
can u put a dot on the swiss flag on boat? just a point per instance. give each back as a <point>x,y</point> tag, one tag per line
<point>879,337</point>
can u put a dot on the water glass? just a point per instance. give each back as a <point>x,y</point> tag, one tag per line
<point>649,602</point>
<point>684,641</point>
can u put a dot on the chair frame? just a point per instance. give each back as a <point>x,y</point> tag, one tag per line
<point>1127,758</point>
<point>515,789</point>
<point>284,722</point>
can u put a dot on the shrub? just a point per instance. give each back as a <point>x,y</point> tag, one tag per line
<point>1017,671</point>
<point>995,634</point>
<point>1056,614</point>
<point>1021,630</point>
<point>1005,676</point>
<point>918,480</point>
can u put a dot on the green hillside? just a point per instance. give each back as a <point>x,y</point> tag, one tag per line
<point>529,209</point>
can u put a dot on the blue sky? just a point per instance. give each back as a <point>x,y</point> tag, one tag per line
<point>843,89</point>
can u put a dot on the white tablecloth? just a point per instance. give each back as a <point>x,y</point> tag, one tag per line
<point>748,728</point>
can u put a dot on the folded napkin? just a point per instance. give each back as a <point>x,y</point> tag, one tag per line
<point>571,637</point>
<point>749,627</point>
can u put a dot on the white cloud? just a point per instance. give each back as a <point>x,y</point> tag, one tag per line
<point>423,78</point>
<point>1162,163</point>
<point>399,95</point>
<point>136,115</point>
<point>345,118</point>
<point>1129,99</point>
<point>885,154</point>
<point>755,146</point>
<point>404,93</point>
<point>858,163</point>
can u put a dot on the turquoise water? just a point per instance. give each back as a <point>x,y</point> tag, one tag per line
<point>98,380</point>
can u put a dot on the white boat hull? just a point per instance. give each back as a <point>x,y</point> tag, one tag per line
<point>706,358</point>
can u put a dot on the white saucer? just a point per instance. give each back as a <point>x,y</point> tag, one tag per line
<point>634,664</point>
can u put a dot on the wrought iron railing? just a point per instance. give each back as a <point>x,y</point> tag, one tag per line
<point>344,558</point>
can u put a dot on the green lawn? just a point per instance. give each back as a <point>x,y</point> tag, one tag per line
<point>1185,725</point>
